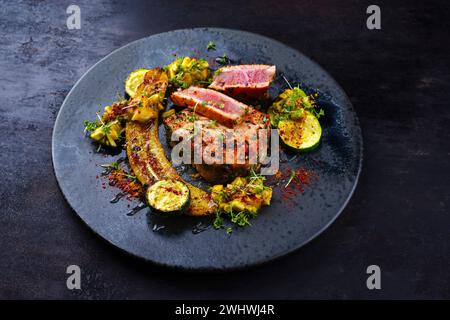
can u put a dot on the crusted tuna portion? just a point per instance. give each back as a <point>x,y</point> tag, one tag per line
<point>214,137</point>
<point>244,81</point>
<point>211,104</point>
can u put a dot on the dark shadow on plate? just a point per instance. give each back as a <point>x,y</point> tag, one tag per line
<point>177,225</point>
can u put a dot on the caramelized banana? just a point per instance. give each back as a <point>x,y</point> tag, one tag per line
<point>149,163</point>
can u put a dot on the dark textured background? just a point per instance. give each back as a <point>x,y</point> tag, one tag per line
<point>397,79</point>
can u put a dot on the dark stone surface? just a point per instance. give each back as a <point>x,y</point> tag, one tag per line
<point>397,79</point>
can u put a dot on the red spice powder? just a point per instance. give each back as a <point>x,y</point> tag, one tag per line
<point>302,178</point>
<point>292,181</point>
<point>119,179</point>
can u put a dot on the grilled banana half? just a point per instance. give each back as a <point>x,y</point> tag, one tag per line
<point>149,164</point>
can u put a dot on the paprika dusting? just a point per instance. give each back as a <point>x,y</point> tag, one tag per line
<point>291,181</point>
<point>128,184</point>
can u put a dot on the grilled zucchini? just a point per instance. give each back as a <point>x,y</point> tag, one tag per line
<point>168,197</point>
<point>300,135</point>
<point>133,81</point>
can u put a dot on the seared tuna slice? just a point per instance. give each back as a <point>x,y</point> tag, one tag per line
<point>244,81</point>
<point>214,135</point>
<point>211,104</point>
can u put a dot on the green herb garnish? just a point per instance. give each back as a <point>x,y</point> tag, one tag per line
<point>112,165</point>
<point>241,218</point>
<point>130,177</point>
<point>223,59</point>
<point>218,220</point>
<point>211,46</point>
<point>254,176</point>
<point>292,176</point>
<point>193,117</point>
<point>90,126</point>
<point>106,128</point>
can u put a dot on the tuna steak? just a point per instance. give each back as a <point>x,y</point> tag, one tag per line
<point>213,133</point>
<point>211,104</point>
<point>244,81</point>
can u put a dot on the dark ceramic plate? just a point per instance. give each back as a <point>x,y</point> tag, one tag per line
<point>278,230</point>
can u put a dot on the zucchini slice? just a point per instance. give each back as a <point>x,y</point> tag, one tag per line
<point>168,197</point>
<point>134,80</point>
<point>300,135</point>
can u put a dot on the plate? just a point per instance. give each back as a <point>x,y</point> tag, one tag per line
<point>191,243</point>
